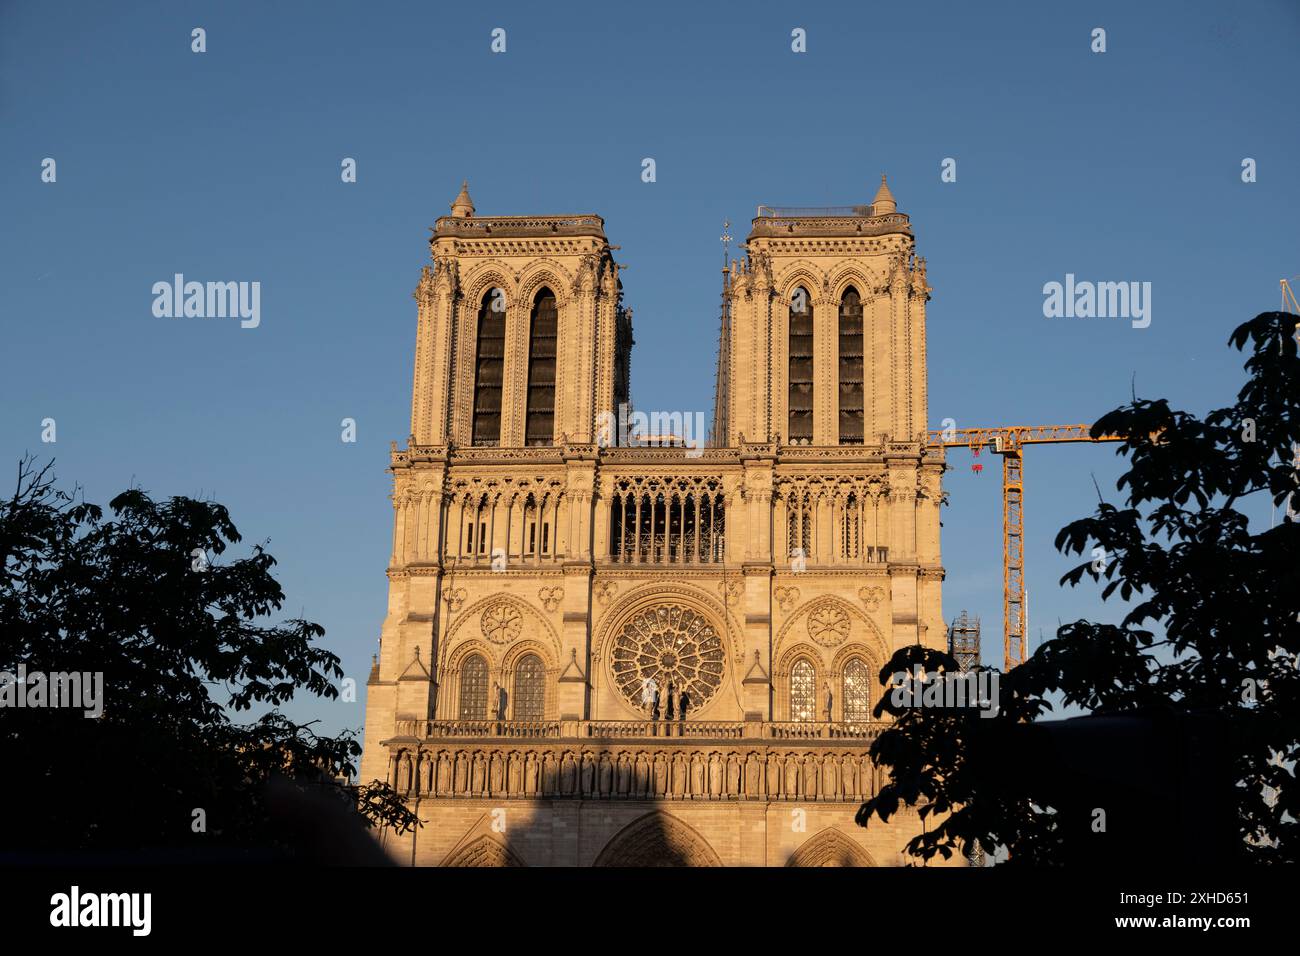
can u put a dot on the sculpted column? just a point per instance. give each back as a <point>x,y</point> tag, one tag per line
<point>600,516</point>
<point>756,349</point>
<point>881,362</point>
<point>920,294</point>
<point>421,523</point>
<point>825,370</point>
<point>396,499</point>
<point>426,298</point>
<point>441,306</point>
<point>587,315</point>
<point>900,356</point>
<point>758,570</point>
<point>606,304</point>
<point>404,520</point>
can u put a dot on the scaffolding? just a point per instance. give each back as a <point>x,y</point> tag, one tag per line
<point>964,642</point>
<point>964,645</point>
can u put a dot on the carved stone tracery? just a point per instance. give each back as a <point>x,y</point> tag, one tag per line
<point>670,644</point>
<point>828,625</point>
<point>500,623</point>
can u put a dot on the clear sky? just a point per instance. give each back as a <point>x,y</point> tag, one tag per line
<point>1116,166</point>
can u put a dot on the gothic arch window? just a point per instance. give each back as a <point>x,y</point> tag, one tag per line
<point>473,688</point>
<point>530,688</point>
<point>850,528</point>
<point>803,691</point>
<point>801,509</point>
<point>489,369</point>
<point>851,407</point>
<point>537,530</point>
<point>801,368</point>
<point>540,420</point>
<point>856,691</point>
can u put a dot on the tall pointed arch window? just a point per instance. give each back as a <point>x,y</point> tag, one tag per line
<point>530,688</point>
<point>801,368</point>
<point>489,368</point>
<point>539,426</point>
<point>473,688</point>
<point>856,692</point>
<point>850,528</point>
<point>851,407</point>
<point>803,691</point>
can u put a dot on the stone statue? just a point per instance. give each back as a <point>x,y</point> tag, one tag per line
<point>530,774</point>
<point>568,774</point>
<point>650,694</point>
<point>606,776</point>
<point>462,772</point>
<point>514,775</point>
<point>850,774</point>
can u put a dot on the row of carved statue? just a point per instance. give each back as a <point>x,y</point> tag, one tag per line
<point>633,774</point>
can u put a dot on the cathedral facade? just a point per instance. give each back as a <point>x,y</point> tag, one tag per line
<point>612,650</point>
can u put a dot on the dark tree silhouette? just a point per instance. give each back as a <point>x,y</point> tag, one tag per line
<point>1210,650</point>
<point>144,598</point>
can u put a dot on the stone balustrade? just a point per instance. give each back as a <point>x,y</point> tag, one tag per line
<point>411,731</point>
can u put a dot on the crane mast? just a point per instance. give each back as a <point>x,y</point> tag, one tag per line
<point>1009,441</point>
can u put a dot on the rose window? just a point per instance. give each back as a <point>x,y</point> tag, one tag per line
<point>828,625</point>
<point>500,623</point>
<point>671,645</point>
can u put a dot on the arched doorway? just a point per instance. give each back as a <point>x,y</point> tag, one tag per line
<point>657,839</point>
<point>830,848</point>
<point>486,852</point>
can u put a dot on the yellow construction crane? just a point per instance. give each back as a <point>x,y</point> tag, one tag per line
<point>1008,442</point>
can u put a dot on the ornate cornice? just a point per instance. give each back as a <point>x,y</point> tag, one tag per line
<point>675,457</point>
<point>515,227</point>
<point>798,227</point>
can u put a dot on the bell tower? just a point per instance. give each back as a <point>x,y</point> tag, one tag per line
<point>826,333</point>
<point>521,342</point>
<point>521,339</point>
<point>822,384</point>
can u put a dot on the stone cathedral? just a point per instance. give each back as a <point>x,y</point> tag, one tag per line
<point>626,652</point>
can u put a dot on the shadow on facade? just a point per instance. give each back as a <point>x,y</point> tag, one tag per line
<point>654,836</point>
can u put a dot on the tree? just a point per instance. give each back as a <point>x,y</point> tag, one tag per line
<point>144,599</point>
<point>1212,634</point>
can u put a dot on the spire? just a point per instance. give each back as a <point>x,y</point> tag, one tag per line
<point>884,203</point>
<point>463,206</point>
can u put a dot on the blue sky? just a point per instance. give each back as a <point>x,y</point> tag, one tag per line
<point>1121,166</point>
